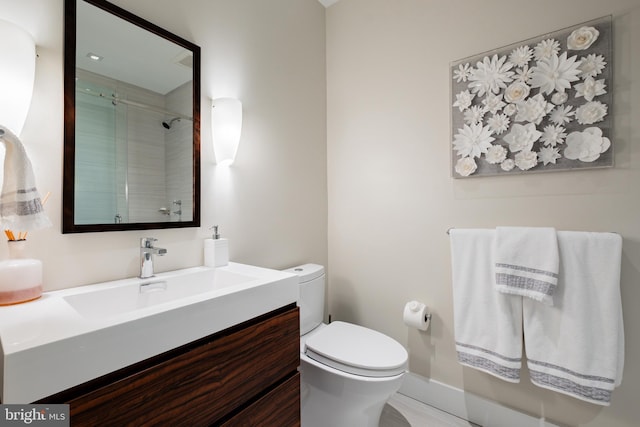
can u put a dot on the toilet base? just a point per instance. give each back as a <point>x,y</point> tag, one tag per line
<point>334,398</point>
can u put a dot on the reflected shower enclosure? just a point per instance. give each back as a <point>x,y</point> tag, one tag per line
<point>133,152</point>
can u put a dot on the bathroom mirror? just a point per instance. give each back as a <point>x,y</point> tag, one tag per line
<point>131,123</point>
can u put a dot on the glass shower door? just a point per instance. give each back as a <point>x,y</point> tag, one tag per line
<point>101,147</point>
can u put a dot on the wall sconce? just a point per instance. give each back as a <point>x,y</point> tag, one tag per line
<point>17,74</point>
<point>226,126</point>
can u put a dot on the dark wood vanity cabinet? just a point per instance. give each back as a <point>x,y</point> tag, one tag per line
<point>243,376</point>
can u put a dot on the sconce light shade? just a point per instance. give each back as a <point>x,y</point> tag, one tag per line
<point>16,75</point>
<point>226,126</point>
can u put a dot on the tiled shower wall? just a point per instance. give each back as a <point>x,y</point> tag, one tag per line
<point>179,154</point>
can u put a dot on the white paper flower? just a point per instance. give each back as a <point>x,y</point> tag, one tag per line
<point>533,109</point>
<point>524,74</point>
<point>496,154</point>
<point>553,135</point>
<point>466,166</point>
<point>521,56</point>
<point>555,73</point>
<point>490,75</point>
<point>507,165</point>
<point>582,38</point>
<point>591,65</point>
<point>516,92</point>
<point>526,160</point>
<point>472,140</point>
<point>474,115</point>
<point>463,100</point>
<point>559,98</point>
<point>493,103</point>
<point>498,123</point>
<point>548,155</point>
<point>510,109</point>
<point>591,112</point>
<point>462,73</point>
<point>545,49</point>
<point>522,137</point>
<point>562,114</point>
<point>590,88</point>
<point>587,145</point>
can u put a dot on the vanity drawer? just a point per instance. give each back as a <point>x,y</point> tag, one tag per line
<point>202,385</point>
<point>280,407</point>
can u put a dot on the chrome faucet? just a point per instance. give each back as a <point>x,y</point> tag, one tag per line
<point>147,250</point>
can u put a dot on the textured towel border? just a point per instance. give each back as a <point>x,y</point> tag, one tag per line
<point>530,282</point>
<point>591,388</point>
<point>29,205</point>
<point>491,362</point>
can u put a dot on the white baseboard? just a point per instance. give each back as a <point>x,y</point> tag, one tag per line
<point>466,405</point>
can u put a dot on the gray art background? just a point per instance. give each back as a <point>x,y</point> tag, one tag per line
<point>602,46</point>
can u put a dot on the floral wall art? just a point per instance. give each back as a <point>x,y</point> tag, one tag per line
<point>543,104</point>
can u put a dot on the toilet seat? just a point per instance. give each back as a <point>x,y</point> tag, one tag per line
<point>357,350</point>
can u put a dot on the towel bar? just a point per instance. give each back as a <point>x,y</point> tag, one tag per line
<point>451,228</point>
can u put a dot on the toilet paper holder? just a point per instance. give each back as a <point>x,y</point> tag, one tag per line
<point>416,315</point>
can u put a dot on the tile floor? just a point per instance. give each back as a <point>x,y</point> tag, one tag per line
<point>403,411</point>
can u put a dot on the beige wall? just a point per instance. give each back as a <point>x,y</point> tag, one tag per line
<point>272,204</point>
<point>391,197</point>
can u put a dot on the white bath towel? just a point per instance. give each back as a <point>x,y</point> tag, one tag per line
<point>20,203</point>
<point>487,324</point>
<point>527,262</point>
<point>576,347</point>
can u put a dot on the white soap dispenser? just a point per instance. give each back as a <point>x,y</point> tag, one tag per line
<point>216,250</point>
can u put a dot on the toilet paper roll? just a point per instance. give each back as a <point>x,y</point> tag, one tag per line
<point>416,316</point>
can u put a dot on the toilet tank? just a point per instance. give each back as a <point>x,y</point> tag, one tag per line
<point>311,299</point>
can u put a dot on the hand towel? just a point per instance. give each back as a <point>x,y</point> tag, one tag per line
<point>20,204</point>
<point>576,347</point>
<point>527,262</point>
<point>487,324</point>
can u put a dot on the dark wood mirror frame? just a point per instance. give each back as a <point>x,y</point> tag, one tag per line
<point>68,193</point>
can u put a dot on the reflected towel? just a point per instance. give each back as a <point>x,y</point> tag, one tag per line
<point>487,324</point>
<point>527,262</point>
<point>576,347</point>
<point>20,204</point>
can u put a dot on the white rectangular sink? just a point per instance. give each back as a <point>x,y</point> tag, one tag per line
<point>71,336</point>
<point>118,298</point>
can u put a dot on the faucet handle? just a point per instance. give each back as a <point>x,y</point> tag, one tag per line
<point>147,242</point>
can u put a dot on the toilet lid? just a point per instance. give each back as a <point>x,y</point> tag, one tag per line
<point>357,350</point>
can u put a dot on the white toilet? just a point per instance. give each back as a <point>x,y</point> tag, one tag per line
<point>348,372</point>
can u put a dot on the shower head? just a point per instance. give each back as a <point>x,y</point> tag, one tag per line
<point>168,123</point>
